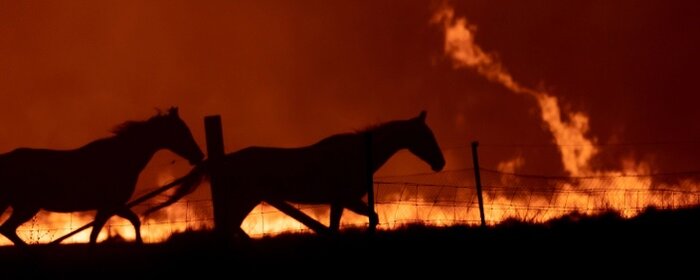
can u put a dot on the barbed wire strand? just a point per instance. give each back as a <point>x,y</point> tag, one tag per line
<point>434,196</point>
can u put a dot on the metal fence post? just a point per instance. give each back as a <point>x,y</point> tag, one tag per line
<point>477,179</point>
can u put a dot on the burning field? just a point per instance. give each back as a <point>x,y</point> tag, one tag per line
<point>441,199</point>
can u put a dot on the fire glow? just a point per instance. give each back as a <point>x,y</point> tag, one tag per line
<point>569,130</point>
<point>400,202</point>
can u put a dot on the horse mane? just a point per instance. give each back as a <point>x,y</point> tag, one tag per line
<point>378,126</point>
<point>368,129</point>
<point>129,127</point>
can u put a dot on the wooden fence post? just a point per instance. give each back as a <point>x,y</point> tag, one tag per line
<point>477,179</point>
<point>369,180</point>
<point>219,188</point>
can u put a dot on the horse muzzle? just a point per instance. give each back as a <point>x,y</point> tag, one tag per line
<point>437,167</point>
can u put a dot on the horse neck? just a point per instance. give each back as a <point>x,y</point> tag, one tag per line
<point>136,149</point>
<point>384,146</point>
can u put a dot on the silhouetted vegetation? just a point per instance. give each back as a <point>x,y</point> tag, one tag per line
<point>606,240</point>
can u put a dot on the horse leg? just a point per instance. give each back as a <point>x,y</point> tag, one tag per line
<point>100,219</point>
<point>238,214</point>
<point>242,234</point>
<point>3,206</point>
<point>18,217</point>
<point>134,219</point>
<point>336,214</point>
<point>360,207</point>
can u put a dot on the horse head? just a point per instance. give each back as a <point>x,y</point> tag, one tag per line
<point>421,142</point>
<point>175,136</point>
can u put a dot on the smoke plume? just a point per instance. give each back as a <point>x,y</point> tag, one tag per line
<point>567,128</point>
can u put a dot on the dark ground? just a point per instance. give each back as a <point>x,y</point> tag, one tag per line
<point>656,240</point>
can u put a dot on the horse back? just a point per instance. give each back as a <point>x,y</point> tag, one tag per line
<point>305,175</point>
<point>61,180</point>
<point>304,161</point>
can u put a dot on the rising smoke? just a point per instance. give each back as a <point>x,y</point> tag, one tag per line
<point>570,131</point>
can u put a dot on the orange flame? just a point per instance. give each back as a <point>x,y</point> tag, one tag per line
<point>630,195</point>
<point>48,226</point>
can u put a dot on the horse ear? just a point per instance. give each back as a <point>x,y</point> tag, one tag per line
<point>173,111</point>
<point>422,115</point>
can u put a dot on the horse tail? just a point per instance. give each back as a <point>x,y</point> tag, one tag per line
<point>190,182</point>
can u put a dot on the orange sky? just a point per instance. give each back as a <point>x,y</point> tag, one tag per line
<point>287,73</point>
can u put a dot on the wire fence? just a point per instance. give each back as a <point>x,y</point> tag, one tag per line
<point>451,196</point>
<point>444,198</point>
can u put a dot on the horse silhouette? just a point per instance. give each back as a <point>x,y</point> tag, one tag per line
<point>332,171</point>
<point>99,176</point>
